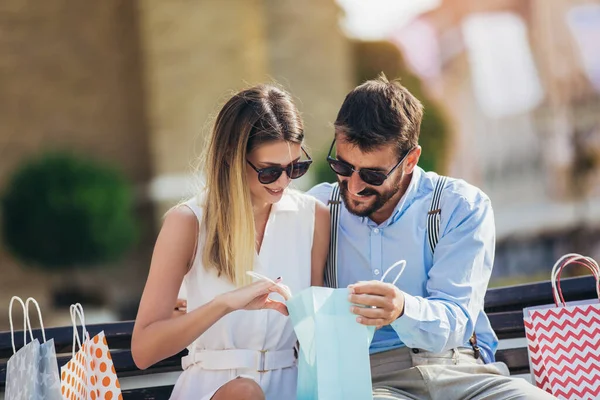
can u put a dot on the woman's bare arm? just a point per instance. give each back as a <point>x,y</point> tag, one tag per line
<point>156,335</point>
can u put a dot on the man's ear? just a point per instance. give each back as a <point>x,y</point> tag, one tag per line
<point>412,160</point>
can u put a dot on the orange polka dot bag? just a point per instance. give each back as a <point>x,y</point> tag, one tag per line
<point>90,374</point>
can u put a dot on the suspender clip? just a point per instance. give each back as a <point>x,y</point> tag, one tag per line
<point>473,341</point>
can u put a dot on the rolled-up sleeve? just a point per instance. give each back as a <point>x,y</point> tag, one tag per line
<point>457,281</point>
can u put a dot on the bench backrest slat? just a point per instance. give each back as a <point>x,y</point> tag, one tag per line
<point>504,307</point>
<point>517,297</point>
<point>118,336</point>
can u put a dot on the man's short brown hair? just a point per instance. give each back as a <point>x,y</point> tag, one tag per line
<point>380,112</point>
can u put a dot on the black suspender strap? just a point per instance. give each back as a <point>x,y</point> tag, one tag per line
<point>335,206</point>
<point>433,232</point>
<point>433,217</point>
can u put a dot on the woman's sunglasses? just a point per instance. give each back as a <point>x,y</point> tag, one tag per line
<point>294,170</point>
<point>369,176</point>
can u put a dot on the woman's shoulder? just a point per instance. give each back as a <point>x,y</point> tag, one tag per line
<point>184,214</point>
<point>191,207</point>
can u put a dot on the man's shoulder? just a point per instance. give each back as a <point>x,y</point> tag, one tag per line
<point>457,192</point>
<point>321,191</point>
<point>466,191</point>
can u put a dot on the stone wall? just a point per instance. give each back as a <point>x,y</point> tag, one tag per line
<point>70,77</point>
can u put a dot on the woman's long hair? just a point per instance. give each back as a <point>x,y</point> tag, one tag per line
<point>249,119</point>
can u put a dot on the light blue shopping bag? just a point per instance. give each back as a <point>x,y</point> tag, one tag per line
<point>334,362</point>
<point>32,371</point>
<point>334,349</point>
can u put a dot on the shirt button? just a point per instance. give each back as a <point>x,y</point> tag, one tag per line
<point>376,231</point>
<point>376,272</point>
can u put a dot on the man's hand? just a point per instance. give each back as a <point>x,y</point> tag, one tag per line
<point>384,301</point>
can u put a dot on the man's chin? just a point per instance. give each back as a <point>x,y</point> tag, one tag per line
<point>359,208</point>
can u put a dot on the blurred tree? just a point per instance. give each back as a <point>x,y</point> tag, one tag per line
<point>65,212</point>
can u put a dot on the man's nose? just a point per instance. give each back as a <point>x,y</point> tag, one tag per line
<point>355,184</point>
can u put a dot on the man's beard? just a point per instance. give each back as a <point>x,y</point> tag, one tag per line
<point>378,199</point>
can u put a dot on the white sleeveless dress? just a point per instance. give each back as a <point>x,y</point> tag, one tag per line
<point>253,344</point>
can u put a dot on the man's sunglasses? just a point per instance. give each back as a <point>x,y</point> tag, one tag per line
<point>294,170</point>
<point>369,176</point>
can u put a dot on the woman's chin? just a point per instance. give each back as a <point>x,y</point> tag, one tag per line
<point>274,195</point>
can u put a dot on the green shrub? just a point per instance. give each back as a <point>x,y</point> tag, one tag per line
<point>61,211</point>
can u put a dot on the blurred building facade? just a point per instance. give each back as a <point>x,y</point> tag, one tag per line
<point>137,83</point>
<point>519,79</point>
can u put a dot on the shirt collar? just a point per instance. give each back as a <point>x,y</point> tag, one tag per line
<point>405,200</point>
<point>286,203</point>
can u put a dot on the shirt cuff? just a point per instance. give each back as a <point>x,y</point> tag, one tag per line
<point>408,324</point>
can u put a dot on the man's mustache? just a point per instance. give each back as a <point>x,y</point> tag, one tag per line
<point>364,192</point>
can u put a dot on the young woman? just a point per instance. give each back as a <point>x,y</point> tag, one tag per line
<point>240,340</point>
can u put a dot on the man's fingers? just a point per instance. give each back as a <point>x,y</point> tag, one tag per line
<point>371,287</point>
<point>373,313</point>
<point>370,322</point>
<point>368,300</point>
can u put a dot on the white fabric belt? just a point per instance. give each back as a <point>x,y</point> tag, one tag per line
<point>257,360</point>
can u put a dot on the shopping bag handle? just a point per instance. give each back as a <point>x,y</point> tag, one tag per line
<point>12,331</point>
<point>76,310</point>
<point>35,303</point>
<point>262,277</point>
<point>568,259</point>
<point>401,264</point>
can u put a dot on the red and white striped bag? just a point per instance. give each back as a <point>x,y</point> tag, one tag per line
<point>564,339</point>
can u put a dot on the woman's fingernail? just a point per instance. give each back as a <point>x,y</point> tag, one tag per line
<point>359,320</point>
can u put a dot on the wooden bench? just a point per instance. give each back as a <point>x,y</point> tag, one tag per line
<point>504,307</point>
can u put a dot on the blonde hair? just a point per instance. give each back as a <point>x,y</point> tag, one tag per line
<point>250,118</point>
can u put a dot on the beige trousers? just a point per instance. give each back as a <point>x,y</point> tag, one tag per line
<point>453,375</point>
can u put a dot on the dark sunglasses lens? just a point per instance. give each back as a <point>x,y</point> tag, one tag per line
<point>340,168</point>
<point>299,169</point>
<point>269,175</point>
<point>372,177</point>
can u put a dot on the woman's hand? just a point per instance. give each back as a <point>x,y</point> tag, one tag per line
<point>180,308</point>
<point>254,296</point>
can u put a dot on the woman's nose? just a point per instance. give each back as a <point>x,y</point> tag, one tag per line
<point>284,179</point>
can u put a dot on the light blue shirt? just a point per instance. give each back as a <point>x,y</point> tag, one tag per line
<point>444,292</point>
